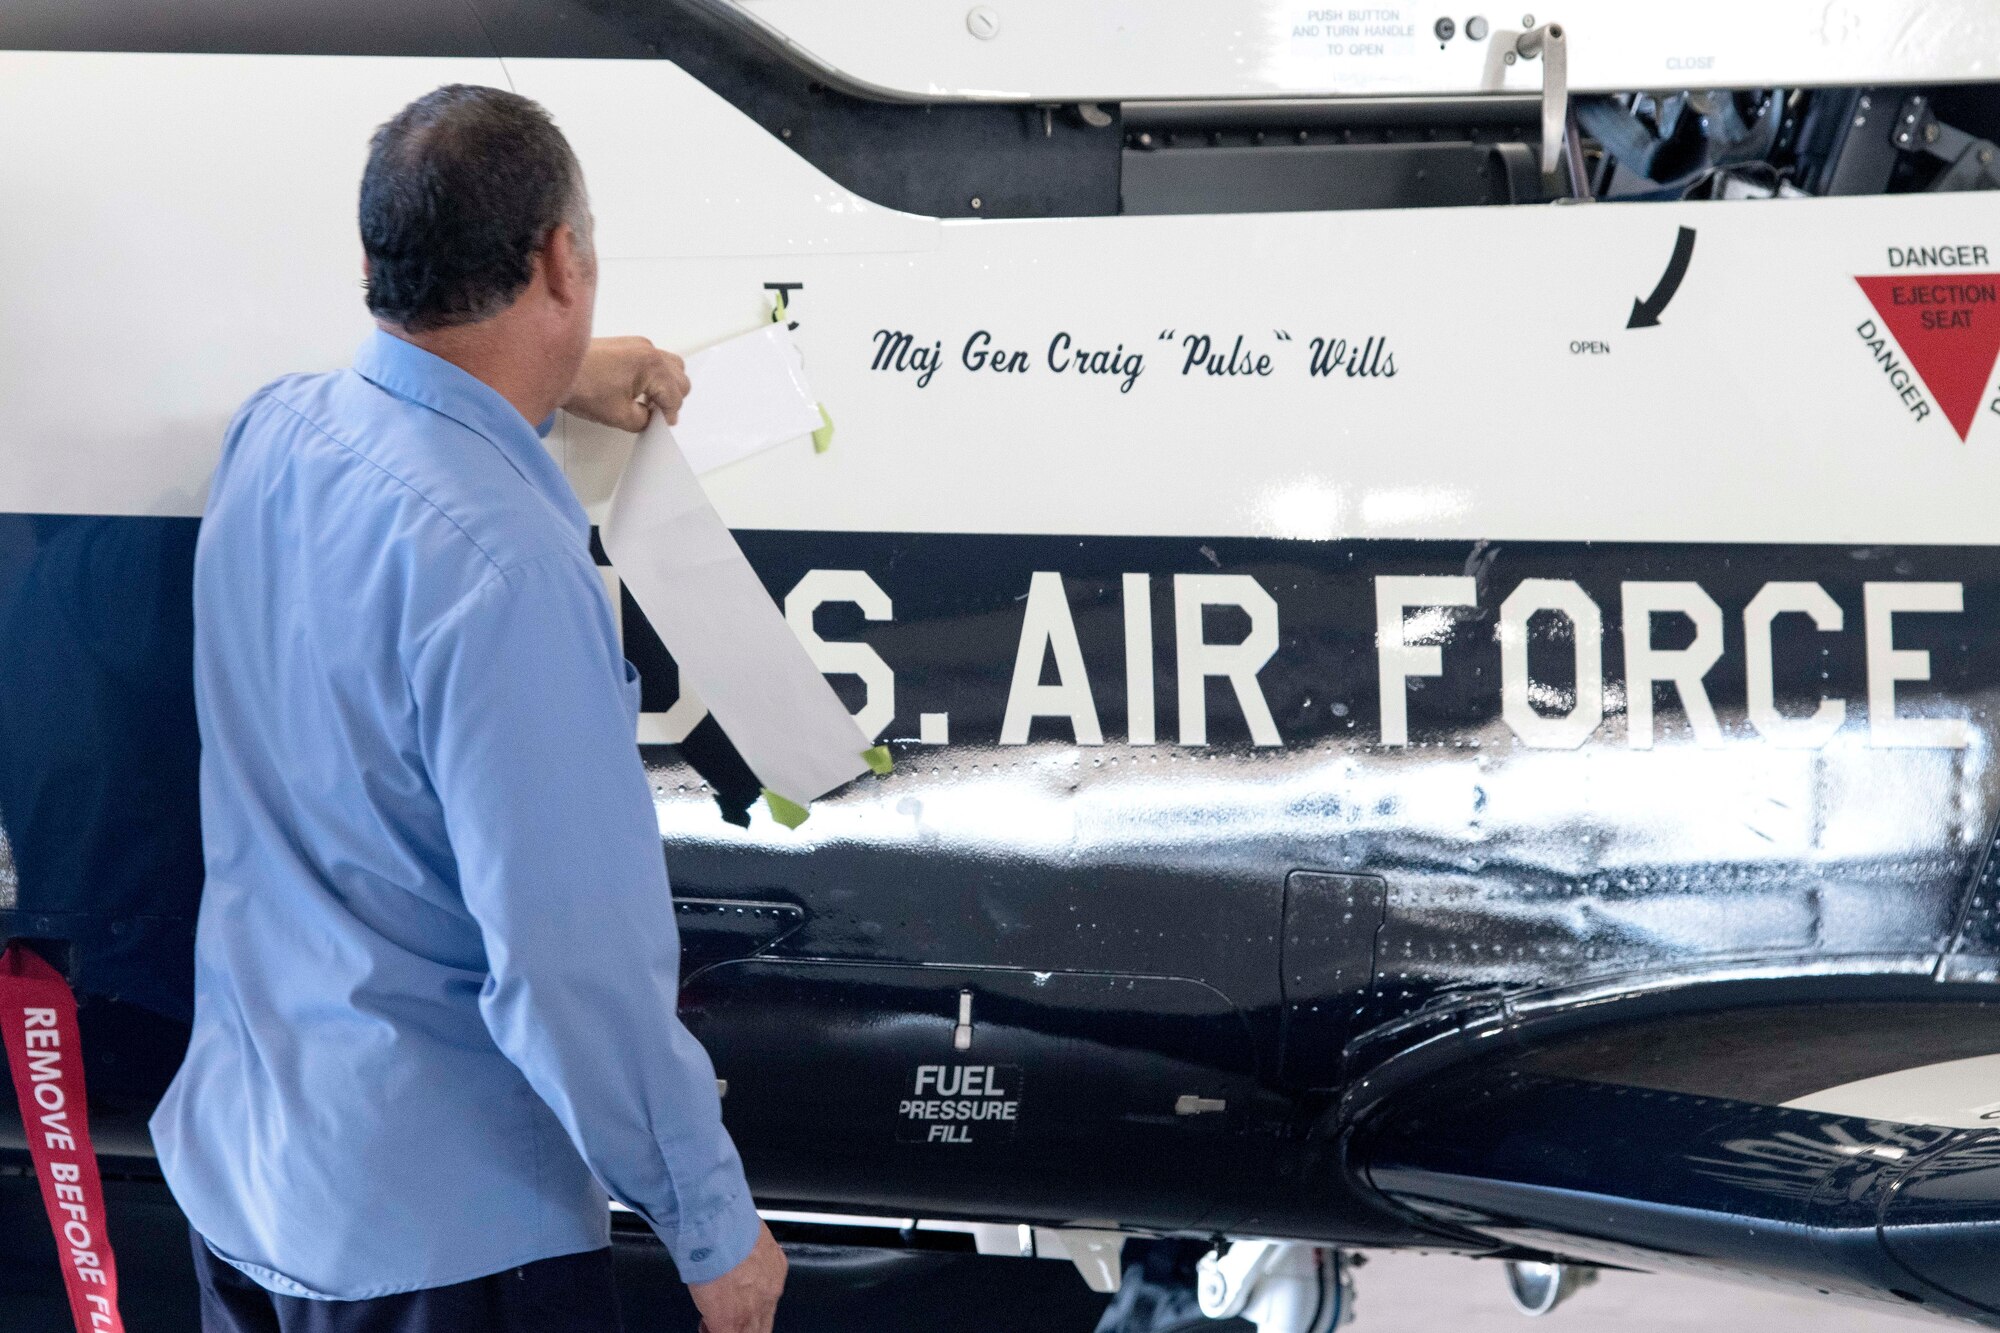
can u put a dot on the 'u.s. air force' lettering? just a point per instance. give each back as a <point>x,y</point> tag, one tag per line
<point>1669,635</point>
<point>1406,650</point>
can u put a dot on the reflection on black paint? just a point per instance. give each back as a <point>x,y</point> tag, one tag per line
<point>1482,875</point>
<point>99,774</point>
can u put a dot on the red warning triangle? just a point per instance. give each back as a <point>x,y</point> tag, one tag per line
<point>1949,327</point>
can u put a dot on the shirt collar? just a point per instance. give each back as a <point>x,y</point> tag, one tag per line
<point>408,371</point>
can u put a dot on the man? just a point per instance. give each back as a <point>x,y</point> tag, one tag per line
<point>436,958</point>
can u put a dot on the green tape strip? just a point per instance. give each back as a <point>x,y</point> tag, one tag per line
<point>789,813</point>
<point>877,758</point>
<point>823,437</point>
<point>778,309</point>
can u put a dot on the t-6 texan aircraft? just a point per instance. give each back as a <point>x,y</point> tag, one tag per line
<point>1429,574</point>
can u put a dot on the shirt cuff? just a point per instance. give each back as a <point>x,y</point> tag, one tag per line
<point>547,424</point>
<point>723,1241</point>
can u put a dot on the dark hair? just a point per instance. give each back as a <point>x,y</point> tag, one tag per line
<point>462,187</point>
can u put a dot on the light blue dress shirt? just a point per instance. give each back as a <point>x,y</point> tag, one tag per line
<point>436,961</point>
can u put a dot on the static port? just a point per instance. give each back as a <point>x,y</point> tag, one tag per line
<point>1444,29</point>
<point>1475,28</point>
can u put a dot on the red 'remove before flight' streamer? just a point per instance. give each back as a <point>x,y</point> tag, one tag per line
<point>38,1020</point>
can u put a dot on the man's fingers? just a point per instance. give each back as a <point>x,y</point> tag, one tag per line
<point>666,390</point>
<point>633,416</point>
<point>620,382</point>
<point>740,1325</point>
<point>666,386</point>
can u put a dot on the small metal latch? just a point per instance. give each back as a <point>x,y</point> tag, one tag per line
<point>1550,43</point>
<point>1189,1104</point>
<point>961,1036</point>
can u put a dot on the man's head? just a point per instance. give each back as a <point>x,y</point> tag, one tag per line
<point>475,225</point>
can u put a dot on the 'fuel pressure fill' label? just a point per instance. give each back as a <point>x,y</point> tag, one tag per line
<point>960,1104</point>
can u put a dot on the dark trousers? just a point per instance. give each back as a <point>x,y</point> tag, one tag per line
<point>569,1294</point>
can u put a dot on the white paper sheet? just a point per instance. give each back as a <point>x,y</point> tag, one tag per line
<point>750,393</point>
<point>728,637</point>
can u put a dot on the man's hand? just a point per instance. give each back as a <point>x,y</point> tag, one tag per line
<point>623,379</point>
<point>745,1299</point>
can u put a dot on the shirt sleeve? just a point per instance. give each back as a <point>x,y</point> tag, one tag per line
<point>526,714</point>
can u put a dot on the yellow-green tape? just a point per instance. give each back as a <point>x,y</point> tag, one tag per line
<point>877,758</point>
<point>789,813</point>
<point>778,309</point>
<point>823,437</point>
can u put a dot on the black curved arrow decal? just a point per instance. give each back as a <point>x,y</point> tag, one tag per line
<point>1646,313</point>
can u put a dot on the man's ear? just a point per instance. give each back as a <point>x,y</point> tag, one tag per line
<point>563,265</point>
